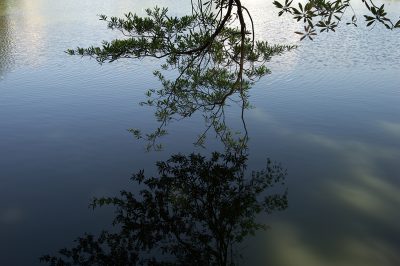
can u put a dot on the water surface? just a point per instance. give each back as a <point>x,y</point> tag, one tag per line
<point>329,112</point>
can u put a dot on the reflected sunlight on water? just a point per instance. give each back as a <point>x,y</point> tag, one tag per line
<point>6,41</point>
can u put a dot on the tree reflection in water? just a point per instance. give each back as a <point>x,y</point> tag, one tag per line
<point>195,213</point>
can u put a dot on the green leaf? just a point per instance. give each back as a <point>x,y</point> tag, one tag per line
<point>277,4</point>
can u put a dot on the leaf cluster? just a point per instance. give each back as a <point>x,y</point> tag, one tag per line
<point>325,15</point>
<point>212,53</point>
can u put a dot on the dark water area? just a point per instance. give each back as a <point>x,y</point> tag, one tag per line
<point>329,113</point>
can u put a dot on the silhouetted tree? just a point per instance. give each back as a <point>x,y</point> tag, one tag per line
<point>194,213</point>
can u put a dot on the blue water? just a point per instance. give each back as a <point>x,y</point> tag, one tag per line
<point>329,112</point>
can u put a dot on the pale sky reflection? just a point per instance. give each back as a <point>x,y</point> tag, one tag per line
<point>362,187</point>
<point>291,248</point>
<point>390,128</point>
<point>370,195</point>
<point>349,214</point>
<point>11,215</point>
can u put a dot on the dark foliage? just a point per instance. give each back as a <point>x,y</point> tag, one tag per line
<point>326,15</point>
<point>195,213</point>
<point>213,53</point>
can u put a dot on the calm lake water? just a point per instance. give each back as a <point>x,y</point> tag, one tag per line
<point>329,112</point>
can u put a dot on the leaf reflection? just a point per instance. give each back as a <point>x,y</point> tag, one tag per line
<point>195,213</point>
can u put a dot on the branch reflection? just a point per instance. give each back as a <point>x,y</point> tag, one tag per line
<point>196,212</point>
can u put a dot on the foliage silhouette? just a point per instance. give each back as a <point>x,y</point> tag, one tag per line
<point>326,15</point>
<point>195,213</point>
<point>214,55</point>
